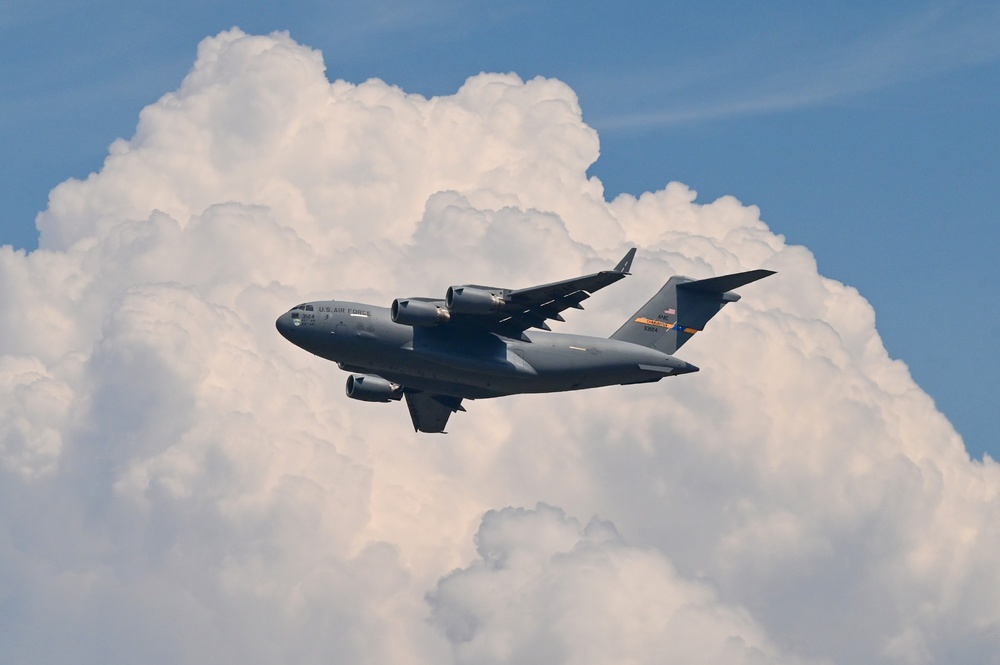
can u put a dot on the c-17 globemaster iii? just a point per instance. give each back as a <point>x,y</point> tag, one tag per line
<point>479,341</point>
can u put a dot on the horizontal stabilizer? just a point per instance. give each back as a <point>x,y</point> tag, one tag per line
<point>726,282</point>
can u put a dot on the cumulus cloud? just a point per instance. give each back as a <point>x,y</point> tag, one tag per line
<point>181,485</point>
<point>545,589</point>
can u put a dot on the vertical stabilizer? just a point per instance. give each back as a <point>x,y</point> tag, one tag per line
<point>681,308</point>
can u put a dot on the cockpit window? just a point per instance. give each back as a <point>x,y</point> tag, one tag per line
<point>309,308</point>
<point>302,307</point>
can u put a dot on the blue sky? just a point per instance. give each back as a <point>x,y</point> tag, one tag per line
<point>870,135</point>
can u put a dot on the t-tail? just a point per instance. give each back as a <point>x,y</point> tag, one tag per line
<point>681,308</point>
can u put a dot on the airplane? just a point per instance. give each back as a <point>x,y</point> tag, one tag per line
<point>483,341</point>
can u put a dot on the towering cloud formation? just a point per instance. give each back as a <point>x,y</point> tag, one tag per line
<point>180,485</point>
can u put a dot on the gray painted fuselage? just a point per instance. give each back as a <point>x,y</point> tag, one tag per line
<point>469,362</point>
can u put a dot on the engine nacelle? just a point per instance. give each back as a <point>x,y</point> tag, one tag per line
<point>369,388</point>
<point>470,300</point>
<point>418,313</point>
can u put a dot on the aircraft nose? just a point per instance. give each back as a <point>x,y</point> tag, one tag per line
<point>284,324</point>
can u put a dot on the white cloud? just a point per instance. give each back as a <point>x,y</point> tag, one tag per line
<point>545,589</point>
<point>181,485</point>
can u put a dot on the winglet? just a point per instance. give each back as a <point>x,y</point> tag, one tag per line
<point>626,262</point>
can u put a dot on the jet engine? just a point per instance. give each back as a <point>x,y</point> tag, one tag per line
<point>470,300</point>
<point>418,313</point>
<point>370,388</point>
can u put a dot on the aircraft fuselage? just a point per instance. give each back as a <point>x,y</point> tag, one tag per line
<point>468,362</point>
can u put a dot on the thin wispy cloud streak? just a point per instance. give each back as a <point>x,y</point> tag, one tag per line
<point>921,47</point>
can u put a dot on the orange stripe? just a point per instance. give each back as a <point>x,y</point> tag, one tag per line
<point>664,324</point>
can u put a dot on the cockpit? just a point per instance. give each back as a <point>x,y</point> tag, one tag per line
<point>305,316</point>
<point>296,312</point>
<point>295,316</point>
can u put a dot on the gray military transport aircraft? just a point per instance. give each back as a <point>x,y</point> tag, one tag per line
<point>478,341</point>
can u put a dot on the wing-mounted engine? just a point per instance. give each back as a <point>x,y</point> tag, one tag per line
<point>419,313</point>
<point>371,388</point>
<point>473,300</point>
<point>504,311</point>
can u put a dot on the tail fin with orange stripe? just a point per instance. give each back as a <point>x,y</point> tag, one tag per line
<point>681,308</point>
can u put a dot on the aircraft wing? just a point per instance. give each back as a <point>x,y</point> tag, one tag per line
<point>429,412</point>
<point>531,307</point>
